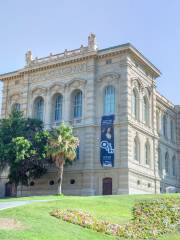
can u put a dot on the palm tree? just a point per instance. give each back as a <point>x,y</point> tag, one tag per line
<point>62,146</point>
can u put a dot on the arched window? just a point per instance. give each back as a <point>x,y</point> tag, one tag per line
<point>77,104</point>
<point>165,125</point>
<point>16,106</point>
<point>159,160</point>
<point>136,149</point>
<point>146,110</point>
<point>58,100</point>
<point>135,104</point>
<point>174,166</point>
<point>39,108</point>
<point>167,162</point>
<point>109,100</point>
<point>172,130</point>
<point>147,153</point>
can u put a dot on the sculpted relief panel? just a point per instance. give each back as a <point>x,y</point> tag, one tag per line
<point>39,91</point>
<point>58,72</point>
<point>76,83</point>
<point>56,88</point>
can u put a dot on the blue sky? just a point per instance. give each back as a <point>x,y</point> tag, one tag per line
<point>152,26</point>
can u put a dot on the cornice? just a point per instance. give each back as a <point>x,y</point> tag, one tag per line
<point>45,66</point>
<point>166,103</point>
<point>78,55</point>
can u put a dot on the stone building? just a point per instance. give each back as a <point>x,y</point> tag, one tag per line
<point>80,87</point>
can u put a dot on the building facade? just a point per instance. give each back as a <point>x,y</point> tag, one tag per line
<point>82,86</point>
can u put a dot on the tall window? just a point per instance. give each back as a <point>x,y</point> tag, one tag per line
<point>58,100</point>
<point>39,108</point>
<point>147,153</point>
<point>135,104</point>
<point>77,104</point>
<point>165,125</point>
<point>159,160</point>
<point>167,162</point>
<point>174,166</point>
<point>109,100</point>
<point>146,110</point>
<point>136,149</point>
<point>16,106</point>
<point>172,130</point>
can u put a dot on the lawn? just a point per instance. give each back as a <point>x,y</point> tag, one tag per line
<point>39,225</point>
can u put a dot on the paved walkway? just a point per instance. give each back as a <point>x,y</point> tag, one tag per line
<point>6,205</point>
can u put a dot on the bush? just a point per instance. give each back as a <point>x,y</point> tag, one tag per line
<point>156,217</point>
<point>151,219</point>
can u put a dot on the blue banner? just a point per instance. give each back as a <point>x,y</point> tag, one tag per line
<point>107,141</point>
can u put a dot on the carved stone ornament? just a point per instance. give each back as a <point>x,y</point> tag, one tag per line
<point>137,135</point>
<point>28,57</point>
<point>14,97</point>
<point>92,45</point>
<point>76,83</point>
<point>57,87</point>
<point>109,77</point>
<point>137,83</point>
<point>39,91</point>
<point>147,92</point>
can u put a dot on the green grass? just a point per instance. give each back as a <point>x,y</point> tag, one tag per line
<point>39,225</point>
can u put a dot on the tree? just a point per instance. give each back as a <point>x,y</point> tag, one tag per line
<point>62,148</point>
<point>23,148</point>
<point>10,128</point>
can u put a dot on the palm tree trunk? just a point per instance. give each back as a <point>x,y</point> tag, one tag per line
<point>59,191</point>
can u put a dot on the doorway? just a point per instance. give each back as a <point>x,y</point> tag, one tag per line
<point>107,186</point>
<point>10,190</point>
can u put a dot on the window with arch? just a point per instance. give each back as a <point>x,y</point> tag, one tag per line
<point>58,102</point>
<point>77,104</point>
<point>159,159</point>
<point>136,149</point>
<point>145,110</point>
<point>174,166</point>
<point>165,125</point>
<point>16,106</point>
<point>39,108</point>
<point>167,162</point>
<point>109,100</point>
<point>135,103</point>
<point>147,153</point>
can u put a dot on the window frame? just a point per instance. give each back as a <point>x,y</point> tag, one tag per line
<point>109,102</point>
<point>146,111</point>
<point>39,113</point>
<point>77,102</point>
<point>58,108</point>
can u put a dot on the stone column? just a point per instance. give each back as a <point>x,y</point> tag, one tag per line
<point>47,110</point>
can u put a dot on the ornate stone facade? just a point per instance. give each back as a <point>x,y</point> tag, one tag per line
<point>147,126</point>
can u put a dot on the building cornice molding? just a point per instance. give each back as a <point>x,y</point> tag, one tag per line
<point>45,66</point>
<point>78,55</point>
<point>164,102</point>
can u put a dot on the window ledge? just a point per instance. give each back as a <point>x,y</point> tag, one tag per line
<point>76,121</point>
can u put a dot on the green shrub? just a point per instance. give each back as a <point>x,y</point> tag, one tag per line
<point>151,219</point>
<point>156,217</point>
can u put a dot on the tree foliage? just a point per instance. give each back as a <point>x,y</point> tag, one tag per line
<point>62,148</point>
<point>23,147</point>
